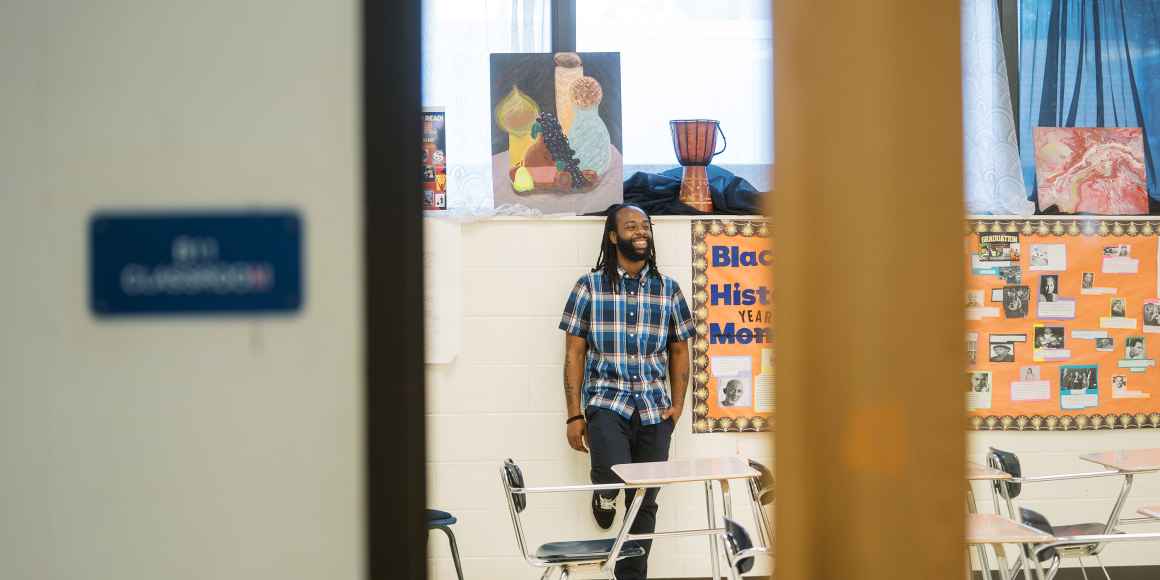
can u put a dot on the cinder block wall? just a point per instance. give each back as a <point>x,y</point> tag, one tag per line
<point>503,397</point>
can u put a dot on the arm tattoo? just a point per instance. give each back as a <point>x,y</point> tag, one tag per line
<point>679,374</point>
<point>567,365</point>
<point>571,391</point>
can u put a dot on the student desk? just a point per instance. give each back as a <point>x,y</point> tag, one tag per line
<point>977,472</point>
<point>1128,462</point>
<point>664,473</point>
<point>995,530</point>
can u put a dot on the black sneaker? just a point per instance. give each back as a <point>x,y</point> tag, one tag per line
<point>604,510</point>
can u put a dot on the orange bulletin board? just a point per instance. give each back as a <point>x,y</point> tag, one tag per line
<point>732,350</point>
<point>1063,324</point>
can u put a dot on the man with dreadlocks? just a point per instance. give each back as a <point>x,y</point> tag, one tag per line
<point>626,328</point>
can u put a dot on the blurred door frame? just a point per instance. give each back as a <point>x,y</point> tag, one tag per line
<point>394,421</point>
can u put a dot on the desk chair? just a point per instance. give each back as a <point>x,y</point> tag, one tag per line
<point>1061,543</point>
<point>740,547</point>
<point>564,557</point>
<point>437,519</point>
<point>1009,490</point>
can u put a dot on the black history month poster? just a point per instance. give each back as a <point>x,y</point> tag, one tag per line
<point>732,351</point>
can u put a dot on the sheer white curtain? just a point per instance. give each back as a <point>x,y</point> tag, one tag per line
<point>992,175</point>
<point>458,35</point>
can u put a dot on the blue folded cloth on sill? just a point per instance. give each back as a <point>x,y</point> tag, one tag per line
<point>659,193</point>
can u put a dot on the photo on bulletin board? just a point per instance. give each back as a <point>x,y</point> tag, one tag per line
<point>556,131</point>
<point>732,352</point>
<point>1071,341</point>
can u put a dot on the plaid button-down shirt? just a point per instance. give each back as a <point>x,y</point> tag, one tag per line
<point>628,334</point>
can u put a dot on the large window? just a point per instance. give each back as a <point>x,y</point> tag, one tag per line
<point>689,59</point>
<point>680,59</point>
<point>1090,64</point>
<point>458,35</point>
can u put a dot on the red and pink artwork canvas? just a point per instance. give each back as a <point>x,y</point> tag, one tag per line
<point>1091,170</point>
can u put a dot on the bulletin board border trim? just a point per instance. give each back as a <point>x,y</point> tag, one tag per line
<point>702,421</point>
<point>1091,422</point>
<point>1069,226</point>
<point>1065,227</point>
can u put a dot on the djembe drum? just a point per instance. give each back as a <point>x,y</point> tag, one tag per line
<point>694,141</point>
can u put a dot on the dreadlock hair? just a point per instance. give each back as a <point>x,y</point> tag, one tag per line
<point>606,261</point>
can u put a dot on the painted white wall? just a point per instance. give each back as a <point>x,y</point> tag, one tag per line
<point>177,448</point>
<point>503,397</point>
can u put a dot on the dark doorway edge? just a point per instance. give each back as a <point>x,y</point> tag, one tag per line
<point>395,480</point>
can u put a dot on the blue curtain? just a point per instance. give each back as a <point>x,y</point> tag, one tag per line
<point>1089,63</point>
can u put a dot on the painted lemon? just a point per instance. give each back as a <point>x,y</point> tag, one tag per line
<point>523,181</point>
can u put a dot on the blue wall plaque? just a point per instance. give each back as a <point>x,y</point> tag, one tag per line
<point>195,263</point>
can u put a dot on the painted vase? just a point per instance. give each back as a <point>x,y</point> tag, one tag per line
<point>590,140</point>
<point>569,69</point>
<point>515,114</point>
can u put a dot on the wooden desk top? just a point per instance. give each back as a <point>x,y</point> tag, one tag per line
<point>996,529</point>
<point>1127,460</point>
<point>976,472</point>
<point>661,472</point>
<point>1152,511</point>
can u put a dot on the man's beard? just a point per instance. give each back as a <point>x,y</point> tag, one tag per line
<point>626,249</point>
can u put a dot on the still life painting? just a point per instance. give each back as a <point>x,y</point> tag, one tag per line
<point>556,131</point>
<point>1091,170</point>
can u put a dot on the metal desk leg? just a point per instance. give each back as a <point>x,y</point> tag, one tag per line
<point>1015,516</point>
<point>725,499</point>
<point>1023,555</point>
<point>1001,556</point>
<point>1000,551</point>
<point>629,519</point>
<point>712,513</point>
<point>1114,519</point>
<point>759,516</point>
<point>1039,575</point>
<point>980,550</point>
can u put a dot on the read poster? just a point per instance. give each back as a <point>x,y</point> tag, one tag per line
<point>732,351</point>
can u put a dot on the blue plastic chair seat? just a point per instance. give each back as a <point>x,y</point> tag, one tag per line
<point>739,541</point>
<point>436,518</point>
<point>441,520</point>
<point>585,550</point>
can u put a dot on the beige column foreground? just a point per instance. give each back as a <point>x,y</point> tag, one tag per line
<point>868,218</point>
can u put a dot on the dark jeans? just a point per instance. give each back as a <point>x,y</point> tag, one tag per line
<point>612,439</point>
